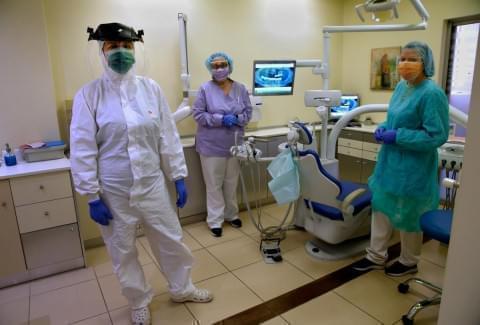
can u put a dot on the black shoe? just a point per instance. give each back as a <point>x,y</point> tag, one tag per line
<point>398,269</point>
<point>216,232</point>
<point>235,223</point>
<point>365,264</point>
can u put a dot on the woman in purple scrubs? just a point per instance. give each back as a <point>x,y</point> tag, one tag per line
<point>222,109</point>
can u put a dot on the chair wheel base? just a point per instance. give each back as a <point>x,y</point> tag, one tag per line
<point>406,320</point>
<point>403,288</point>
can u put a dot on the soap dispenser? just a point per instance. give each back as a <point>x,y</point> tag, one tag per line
<point>10,158</point>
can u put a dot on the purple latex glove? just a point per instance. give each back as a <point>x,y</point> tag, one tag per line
<point>379,134</point>
<point>99,212</point>
<point>389,136</point>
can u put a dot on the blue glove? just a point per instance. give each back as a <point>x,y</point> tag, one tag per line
<point>229,120</point>
<point>389,136</point>
<point>99,212</point>
<point>181,192</point>
<point>379,134</point>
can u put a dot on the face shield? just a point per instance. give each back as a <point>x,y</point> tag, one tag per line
<point>119,50</point>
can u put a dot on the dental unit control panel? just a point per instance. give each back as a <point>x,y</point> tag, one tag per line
<point>451,155</point>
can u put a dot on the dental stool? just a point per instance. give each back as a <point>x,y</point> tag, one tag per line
<point>436,224</point>
<point>333,211</point>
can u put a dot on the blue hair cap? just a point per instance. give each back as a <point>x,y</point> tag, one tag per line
<point>210,59</point>
<point>425,53</point>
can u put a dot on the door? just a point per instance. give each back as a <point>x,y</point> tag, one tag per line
<point>11,253</point>
<point>52,246</point>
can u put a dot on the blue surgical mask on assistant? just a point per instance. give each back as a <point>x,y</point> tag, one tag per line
<point>220,74</point>
<point>120,59</point>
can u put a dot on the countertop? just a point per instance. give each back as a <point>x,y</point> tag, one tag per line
<point>25,168</point>
<point>189,141</point>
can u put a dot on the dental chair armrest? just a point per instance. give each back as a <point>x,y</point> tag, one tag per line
<point>347,207</point>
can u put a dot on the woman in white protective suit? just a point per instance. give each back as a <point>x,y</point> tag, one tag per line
<point>123,144</point>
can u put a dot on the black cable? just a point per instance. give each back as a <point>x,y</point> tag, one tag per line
<point>453,176</point>
<point>441,168</point>
<point>447,191</point>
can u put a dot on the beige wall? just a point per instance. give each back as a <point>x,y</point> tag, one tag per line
<point>247,30</point>
<point>357,46</point>
<point>27,105</point>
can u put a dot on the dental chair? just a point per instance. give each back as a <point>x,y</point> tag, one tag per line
<point>436,224</point>
<point>334,211</point>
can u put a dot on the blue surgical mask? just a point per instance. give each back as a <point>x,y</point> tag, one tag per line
<point>220,74</point>
<point>120,59</point>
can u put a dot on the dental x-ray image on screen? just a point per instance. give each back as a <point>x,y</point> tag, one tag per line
<point>347,104</point>
<point>273,77</point>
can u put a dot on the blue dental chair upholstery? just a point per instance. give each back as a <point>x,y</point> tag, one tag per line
<point>436,224</point>
<point>345,188</point>
<point>334,211</point>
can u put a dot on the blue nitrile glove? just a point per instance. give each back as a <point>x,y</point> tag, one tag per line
<point>379,134</point>
<point>99,212</point>
<point>389,136</point>
<point>181,192</point>
<point>229,120</point>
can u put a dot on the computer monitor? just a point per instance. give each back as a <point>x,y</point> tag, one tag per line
<point>348,102</point>
<point>273,77</point>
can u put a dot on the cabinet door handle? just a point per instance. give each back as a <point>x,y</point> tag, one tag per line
<point>42,187</point>
<point>4,204</point>
<point>46,214</point>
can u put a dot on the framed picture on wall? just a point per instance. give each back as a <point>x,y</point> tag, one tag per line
<point>383,68</point>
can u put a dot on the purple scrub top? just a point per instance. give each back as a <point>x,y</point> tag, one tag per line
<point>213,139</point>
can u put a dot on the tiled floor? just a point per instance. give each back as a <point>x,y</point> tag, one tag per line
<point>233,269</point>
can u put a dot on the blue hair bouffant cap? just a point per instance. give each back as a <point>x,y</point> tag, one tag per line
<point>425,52</point>
<point>210,59</point>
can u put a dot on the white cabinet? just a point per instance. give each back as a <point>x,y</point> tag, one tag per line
<point>197,200</point>
<point>39,234</point>
<point>357,154</point>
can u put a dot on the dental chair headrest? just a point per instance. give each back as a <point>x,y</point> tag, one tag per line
<point>305,134</point>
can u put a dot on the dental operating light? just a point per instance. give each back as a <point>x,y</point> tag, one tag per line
<point>380,9</point>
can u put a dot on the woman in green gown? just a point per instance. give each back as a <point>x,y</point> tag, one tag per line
<point>405,182</point>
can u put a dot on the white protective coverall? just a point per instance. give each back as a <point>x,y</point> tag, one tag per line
<point>123,143</point>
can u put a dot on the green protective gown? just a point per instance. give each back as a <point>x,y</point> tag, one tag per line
<point>405,182</point>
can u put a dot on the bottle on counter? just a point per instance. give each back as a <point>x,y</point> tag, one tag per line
<point>9,157</point>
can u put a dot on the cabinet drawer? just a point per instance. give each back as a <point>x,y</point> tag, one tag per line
<point>373,147</point>
<point>369,155</point>
<point>38,188</point>
<point>45,215</point>
<point>51,246</point>
<point>350,151</point>
<point>350,143</point>
<point>354,135</point>
<point>369,137</point>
